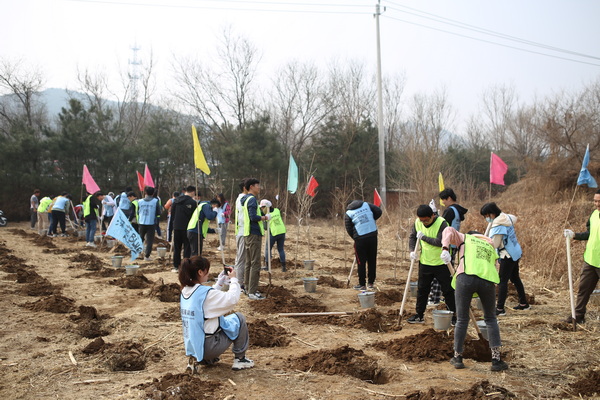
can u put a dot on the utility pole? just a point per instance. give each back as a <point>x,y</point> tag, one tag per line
<point>134,74</point>
<point>381,133</point>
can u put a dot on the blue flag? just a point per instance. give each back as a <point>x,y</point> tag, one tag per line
<point>585,178</point>
<point>120,228</point>
<point>292,185</point>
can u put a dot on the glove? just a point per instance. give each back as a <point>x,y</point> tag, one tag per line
<point>223,279</point>
<point>432,206</point>
<point>569,233</point>
<point>413,255</point>
<point>268,217</point>
<point>215,209</point>
<point>420,235</point>
<point>445,256</point>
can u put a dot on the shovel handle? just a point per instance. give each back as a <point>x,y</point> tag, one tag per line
<point>407,287</point>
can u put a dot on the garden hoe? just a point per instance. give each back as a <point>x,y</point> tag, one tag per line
<point>407,287</point>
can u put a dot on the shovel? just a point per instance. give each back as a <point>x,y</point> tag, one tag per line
<point>407,288</point>
<point>268,254</point>
<point>482,346</point>
<point>571,295</point>
<point>351,269</point>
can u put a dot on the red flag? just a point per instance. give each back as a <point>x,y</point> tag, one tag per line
<point>498,169</point>
<point>147,177</point>
<point>140,182</point>
<point>376,198</point>
<point>88,181</point>
<point>312,185</point>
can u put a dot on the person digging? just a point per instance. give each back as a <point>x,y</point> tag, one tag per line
<point>476,273</point>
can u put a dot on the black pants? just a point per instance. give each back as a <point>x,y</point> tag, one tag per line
<point>509,270</point>
<point>365,250</point>
<point>426,275</point>
<point>180,239</point>
<point>147,234</point>
<point>195,247</point>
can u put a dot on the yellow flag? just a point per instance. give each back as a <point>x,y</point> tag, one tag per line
<point>441,185</point>
<point>199,159</point>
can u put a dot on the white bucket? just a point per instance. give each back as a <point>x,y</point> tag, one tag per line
<point>414,288</point>
<point>111,243</point>
<point>310,284</point>
<point>117,261</point>
<point>442,319</point>
<point>80,233</point>
<point>162,251</point>
<point>98,238</point>
<point>131,269</point>
<point>595,297</point>
<point>366,299</point>
<point>483,328</point>
<point>309,264</point>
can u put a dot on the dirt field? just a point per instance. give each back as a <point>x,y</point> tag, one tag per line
<point>73,327</point>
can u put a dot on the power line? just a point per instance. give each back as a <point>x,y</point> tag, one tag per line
<point>474,28</point>
<point>307,11</point>
<point>491,42</point>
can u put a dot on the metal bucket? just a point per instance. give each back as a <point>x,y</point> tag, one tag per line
<point>595,297</point>
<point>442,319</point>
<point>111,243</point>
<point>117,261</point>
<point>98,238</point>
<point>413,288</point>
<point>309,264</point>
<point>483,328</point>
<point>366,299</point>
<point>162,251</point>
<point>131,269</point>
<point>310,284</point>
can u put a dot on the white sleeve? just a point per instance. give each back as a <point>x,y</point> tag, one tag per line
<point>219,303</point>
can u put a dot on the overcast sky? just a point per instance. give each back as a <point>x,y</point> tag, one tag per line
<point>61,35</point>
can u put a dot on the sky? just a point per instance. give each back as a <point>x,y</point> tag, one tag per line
<point>60,36</point>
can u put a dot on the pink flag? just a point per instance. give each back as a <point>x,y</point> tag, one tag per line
<point>147,177</point>
<point>376,198</point>
<point>88,181</point>
<point>140,182</point>
<point>497,170</point>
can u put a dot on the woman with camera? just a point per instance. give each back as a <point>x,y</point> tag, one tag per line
<point>207,329</point>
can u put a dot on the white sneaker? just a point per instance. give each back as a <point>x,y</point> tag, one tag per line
<point>220,248</point>
<point>175,270</point>
<point>92,244</point>
<point>147,258</point>
<point>256,296</point>
<point>242,363</point>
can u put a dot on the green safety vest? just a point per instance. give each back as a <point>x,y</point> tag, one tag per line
<point>134,203</point>
<point>247,218</point>
<point>194,220</point>
<point>479,259</point>
<point>87,208</point>
<point>276,225</point>
<point>592,250</point>
<point>430,255</point>
<point>44,203</point>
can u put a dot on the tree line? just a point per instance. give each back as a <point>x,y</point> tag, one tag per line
<point>326,119</point>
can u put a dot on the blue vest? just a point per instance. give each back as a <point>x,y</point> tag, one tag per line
<point>147,211</point>
<point>124,203</point>
<point>363,220</point>
<point>511,244</point>
<point>60,204</point>
<point>455,223</point>
<point>192,318</point>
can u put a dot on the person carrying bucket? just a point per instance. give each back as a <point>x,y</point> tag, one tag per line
<point>209,327</point>
<point>428,229</point>
<point>476,273</point>
<point>360,224</point>
<point>590,273</point>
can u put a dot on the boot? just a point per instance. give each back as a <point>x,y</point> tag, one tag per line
<point>283,269</point>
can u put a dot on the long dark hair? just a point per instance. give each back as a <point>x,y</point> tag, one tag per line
<point>188,270</point>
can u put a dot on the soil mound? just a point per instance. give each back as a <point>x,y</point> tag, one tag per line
<point>281,300</point>
<point>95,346</point>
<point>89,323</point>
<point>588,385</point>
<point>264,335</point>
<point>180,387</point>
<point>371,320</point>
<point>331,281</point>
<point>36,284</point>
<point>27,276</point>
<point>171,315</point>
<point>430,345</point>
<point>102,273</point>
<point>168,293</point>
<point>132,282</point>
<point>55,304</point>
<point>44,241</point>
<point>479,391</point>
<point>342,361</point>
<point>10,264</point>
<point>87,261</point>
<point>388,297</point>
<point>58,251</point>
<point>126,356</point>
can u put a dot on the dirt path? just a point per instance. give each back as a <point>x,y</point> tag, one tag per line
<point>74,328</point>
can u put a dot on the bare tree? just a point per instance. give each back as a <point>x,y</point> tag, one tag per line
<point>222,97</point>
<point>498,105</point>
<point>393,89</point>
